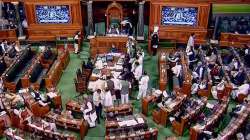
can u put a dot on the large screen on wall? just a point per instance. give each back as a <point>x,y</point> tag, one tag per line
<point>179,16</point>
<point>47,14</point>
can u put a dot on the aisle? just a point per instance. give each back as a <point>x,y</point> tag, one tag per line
<point>67,88</point>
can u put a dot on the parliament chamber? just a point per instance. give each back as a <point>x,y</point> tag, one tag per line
<point>125,69</point>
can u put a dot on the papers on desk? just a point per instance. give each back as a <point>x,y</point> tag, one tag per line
<point>23,90</point>
<point>208,105</point>
<point>157,93</point>
<point>198,126</point>
<point>115,54</point>
<point>51,94</point>
<point>127,123</point>
<point>118,67</point>
<point>42,103</point>
<point>2,113</point>
<point>140,120</point>
<point>172,105</point>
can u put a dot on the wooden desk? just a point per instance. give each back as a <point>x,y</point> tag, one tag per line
<point>146,135</point>
<point>120,110</point>
<point>4,122</point>
<point>9,34</point>
<point>147,100</point>
<point>210,121</point>
<point>54,74</point>
<point>73,106</point>
<point>120,124</point>
<point>234,40</point>
<point>162,115</point>
<point>234,125</point>
<point>48,62</point>
<point>69,123</point>
<point>20,120</point>
<point>11,134</point>
<point>34,76</point>
<point>13,74</point>
<point>179,127</point>
<point>56,99</point>
<point>103,44</point>
<point>36,108</point>
<point>38,129</point>
<point>162,68</point>
<point>187,81</point>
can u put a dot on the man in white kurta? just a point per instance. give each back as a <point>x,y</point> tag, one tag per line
<point>143,86</point>
<point>107,99</point>
<point>137,71</point>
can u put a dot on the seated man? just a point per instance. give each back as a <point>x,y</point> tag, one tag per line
<point>113,49</point>
<point>247,54</point>
<point>219,87</point>
<point>238,77</point>
<point>198,71</point>
<point>242,89</point>
<point>211,58</point>
<point>89,64</point>
<point>113,30</point>
<point>238,109</point>
<point>3,65</point>
<point>216,73</point>
<point>36,95</point>
<point>47,53</point>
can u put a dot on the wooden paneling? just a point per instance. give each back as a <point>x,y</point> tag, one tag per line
<point>103,44</point>
<point>9,34</point>
<point>180,33</point>
<point>234,40</point>
<point>51,31</point>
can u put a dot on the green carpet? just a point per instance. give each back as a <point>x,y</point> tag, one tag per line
<point>67,88</point>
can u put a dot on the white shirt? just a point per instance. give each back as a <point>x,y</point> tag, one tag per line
<point>3,47</point>
<point>190,41</point>
<point>140,60</point>
<point>243,89</point>
<point>117,84</point>
<point>96,98</point>
<point>177,70</point>
<point>107,100</point>
<point>144,82</point>
<point>138,72</point>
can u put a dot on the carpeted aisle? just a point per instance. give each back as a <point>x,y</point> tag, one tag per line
<point>67,88</point>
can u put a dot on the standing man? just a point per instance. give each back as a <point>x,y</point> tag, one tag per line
<point>137,70</point>
<point>107,98</point>
<point>155,40</point>
<point>111,87</point>
<point>143,86</point>
<point>98,105</point>
<point>124,91</point>
<point>76,44</point>
<point>190,42</point>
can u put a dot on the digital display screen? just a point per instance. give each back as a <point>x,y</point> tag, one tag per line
<point>47,14</point>
<point>179,16</point>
